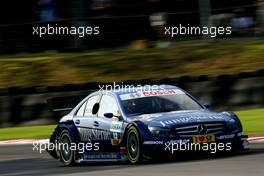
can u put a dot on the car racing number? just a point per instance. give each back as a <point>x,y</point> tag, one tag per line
<point>115,129</point>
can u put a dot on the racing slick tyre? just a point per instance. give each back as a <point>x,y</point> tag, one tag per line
<point>67,156</point>
<point>134,153</point>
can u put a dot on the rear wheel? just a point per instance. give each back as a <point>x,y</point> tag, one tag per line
<point>67,155</point>
<point>133,146</point>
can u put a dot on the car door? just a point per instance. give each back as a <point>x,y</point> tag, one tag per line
<point>111,126</point>
<point>84,119</point>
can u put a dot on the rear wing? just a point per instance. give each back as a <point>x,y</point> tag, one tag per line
<point>60,106</point>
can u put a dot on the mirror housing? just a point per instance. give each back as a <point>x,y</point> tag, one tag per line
<point>109,115</point>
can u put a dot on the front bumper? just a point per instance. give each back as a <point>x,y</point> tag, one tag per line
<point>223,143</point>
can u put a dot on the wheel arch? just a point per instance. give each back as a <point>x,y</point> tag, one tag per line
<point>140,126</point>
<point>69,125</point>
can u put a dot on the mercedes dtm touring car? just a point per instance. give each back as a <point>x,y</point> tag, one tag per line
<point>134,124</point>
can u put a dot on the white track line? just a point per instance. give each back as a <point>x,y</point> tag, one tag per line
<point>23,141</point>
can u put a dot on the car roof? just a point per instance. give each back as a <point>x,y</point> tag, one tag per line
<point>132,89</point>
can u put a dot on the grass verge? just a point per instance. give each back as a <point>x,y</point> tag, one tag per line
<point>214,57</point>
<point>32,132</point>
<point>252,120</point>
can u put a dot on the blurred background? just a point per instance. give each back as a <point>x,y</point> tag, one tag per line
<point>42,76</point>
<point>120,21</point>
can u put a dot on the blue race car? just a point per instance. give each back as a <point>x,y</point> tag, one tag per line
<point>133,124</point>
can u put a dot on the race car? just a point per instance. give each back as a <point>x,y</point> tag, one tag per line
<point>141,123</point>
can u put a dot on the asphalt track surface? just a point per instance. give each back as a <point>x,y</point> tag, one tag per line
<point>21,160</point>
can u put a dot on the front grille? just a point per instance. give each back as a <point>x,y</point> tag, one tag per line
<point>194,130</point>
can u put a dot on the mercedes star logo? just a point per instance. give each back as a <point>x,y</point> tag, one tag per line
<point>201,129</point>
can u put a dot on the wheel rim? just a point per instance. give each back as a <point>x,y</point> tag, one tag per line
<point>66,153</point>
<point>133,146</point>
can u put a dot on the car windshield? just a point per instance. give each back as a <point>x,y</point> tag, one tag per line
<point>159,103</point>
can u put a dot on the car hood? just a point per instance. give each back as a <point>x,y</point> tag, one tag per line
<point>177,118</point>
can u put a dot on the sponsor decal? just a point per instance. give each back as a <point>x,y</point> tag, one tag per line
<point>148,117</point>
<point>162,92</point>
<point>116,127</point>
<point>203,139</point>
<point>190,118</point>
<point>182,141</point>
<point>87,134</point>
<point>102,155</point>
<point>226,136</point>
<point>135,95</point>
<point>116,138</point>
<point>153,142</point>
<point>142,94</point>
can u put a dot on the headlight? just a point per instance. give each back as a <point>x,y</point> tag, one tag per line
<point>161,132</point>
<point>231,125</point>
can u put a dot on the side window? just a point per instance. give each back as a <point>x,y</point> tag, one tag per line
<point>81,110</point>
<point>108,105</point>
<point>90,103</point>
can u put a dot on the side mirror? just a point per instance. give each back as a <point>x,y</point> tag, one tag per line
<point>109,115</point>
<point>95,108</point>
<point>207,106</point>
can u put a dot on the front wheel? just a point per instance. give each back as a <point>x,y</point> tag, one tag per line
<point>134,152</point>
